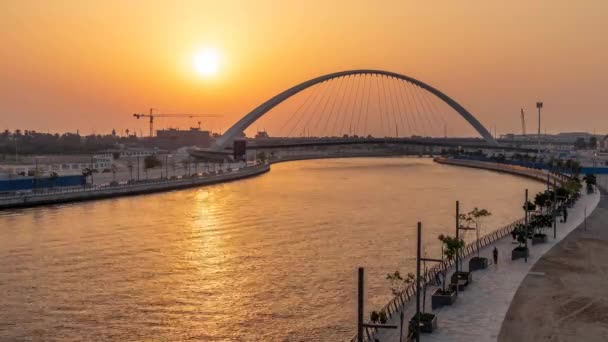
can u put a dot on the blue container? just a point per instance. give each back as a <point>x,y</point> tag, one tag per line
<point>30,183</point>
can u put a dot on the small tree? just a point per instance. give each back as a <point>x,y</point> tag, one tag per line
<point>530,206</point>
<point>262,157</point>
<point>374,316</point>
<point>591,180</point>
<point>397,283</point>
<point>520,233</point>
<point>151,162</point>
<point>450,246</point>
<point>476,217</point>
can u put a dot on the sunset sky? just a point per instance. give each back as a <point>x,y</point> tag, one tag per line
<point>88,65</point>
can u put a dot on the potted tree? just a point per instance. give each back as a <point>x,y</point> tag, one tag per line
<point>475,217</point>
<point>520,233</point>
<point>428,321</point>
<point>449,248</point>
<point>538,223</point>
<point>591,181</point>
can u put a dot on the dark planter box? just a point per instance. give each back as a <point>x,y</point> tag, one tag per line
<point>438,299</point>
<point>537,239</point>
<point>464,279</point>
<point>519,253</point>
<point>428,323</point>
<point>478,263</point>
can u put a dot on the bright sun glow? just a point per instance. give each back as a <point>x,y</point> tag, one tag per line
<point>207,62</point>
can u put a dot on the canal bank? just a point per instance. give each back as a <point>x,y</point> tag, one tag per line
<point>144,187</point>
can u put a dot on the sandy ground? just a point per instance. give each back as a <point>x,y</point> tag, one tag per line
<point>564,297</point>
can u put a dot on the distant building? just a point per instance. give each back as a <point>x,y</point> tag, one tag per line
<point>175,138</point>
<point>262,135</point>
<point>604,143</point>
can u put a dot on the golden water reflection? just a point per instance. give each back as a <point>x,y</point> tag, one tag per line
<point>267,258</point>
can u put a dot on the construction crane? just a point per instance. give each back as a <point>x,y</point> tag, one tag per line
<point>151,115</point>
<point>523,123</point>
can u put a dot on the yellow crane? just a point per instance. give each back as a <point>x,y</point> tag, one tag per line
<point>151,115</point>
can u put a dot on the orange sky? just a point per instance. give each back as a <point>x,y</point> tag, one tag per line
<point>67,65</point>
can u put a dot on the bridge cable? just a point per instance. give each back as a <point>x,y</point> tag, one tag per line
<point>337,98</point>
<point>385,111</point>
<point>333,105</point>
<point>322,113</point>
<point>405,108</point>
<point>389,107</point>
<point>418,109</point>
<point>426,108</point>
<point>380,106</point>
<point>339,109</point>
<point>346,104</point>
<point>402,110</point>
<point>395,96</point>
<point>361,97</point>
<point>315,92</point>
<point>315,110</point>
<point>297,111</point>
<point>392,105</point>
<point>412,106</point>
<point>443,116</point>
<point>351,131</point>
<point>398,118</point>
<point>430,103</point>
<point>428,115</point>
<point>369,94</point>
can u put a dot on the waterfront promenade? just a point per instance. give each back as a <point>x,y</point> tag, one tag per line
<point>564,298</point>
<point>480,310</point>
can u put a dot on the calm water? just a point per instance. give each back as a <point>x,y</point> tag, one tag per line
<point>267,258</point>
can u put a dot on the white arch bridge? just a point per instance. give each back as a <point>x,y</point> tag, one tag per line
<point>402,104</point>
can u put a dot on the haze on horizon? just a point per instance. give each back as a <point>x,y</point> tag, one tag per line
<point>69,65</point>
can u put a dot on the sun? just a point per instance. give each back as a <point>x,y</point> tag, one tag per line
<point>207,62</point>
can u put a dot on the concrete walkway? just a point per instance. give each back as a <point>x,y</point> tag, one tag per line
<point>569,302</point>
<point>480,310</point>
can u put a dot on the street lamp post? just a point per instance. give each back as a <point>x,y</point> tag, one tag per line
<point>539,105</point>
<point>361,325</point>
<point>458,229</point>
<point>526,226</point>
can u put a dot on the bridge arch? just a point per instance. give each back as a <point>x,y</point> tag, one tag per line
<point>262,109</point>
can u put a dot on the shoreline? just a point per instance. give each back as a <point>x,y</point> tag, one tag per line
<point>106,192</point>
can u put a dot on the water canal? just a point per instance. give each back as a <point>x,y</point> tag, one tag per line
<point>267,258</point>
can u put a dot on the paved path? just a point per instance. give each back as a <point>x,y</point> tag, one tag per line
<point>480,310</point>
<point>572,292</point>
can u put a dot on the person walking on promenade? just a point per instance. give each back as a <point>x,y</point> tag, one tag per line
<point>565,214</point>
<point>495,255</point>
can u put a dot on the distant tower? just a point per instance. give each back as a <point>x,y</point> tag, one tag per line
<point>539,105</point>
